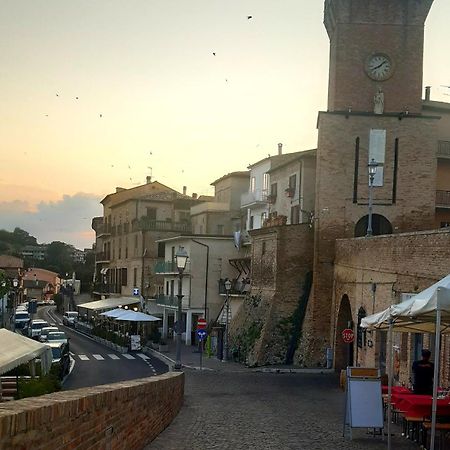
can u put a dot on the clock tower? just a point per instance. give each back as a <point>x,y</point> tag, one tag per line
<point>374,113</point>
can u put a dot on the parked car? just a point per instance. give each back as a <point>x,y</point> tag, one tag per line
<point>21,319</point>
<point>35,327</point>
<point>57,336</point>
<point>70,317</point>
<point>60,355</point>
<point>45,331</point>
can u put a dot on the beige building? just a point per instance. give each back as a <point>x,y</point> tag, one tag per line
<point>221,215</point>
<point>126,248</point>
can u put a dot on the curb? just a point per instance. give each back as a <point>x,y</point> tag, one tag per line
<point>170,362</point>
<point>310,371</point>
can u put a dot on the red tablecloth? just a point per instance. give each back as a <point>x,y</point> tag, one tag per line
<point>420,405</point>
<point>395,390</point>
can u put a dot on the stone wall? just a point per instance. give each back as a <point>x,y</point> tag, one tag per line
<point>126,415</point>
<point>265,327</point>
<point>375,273</point>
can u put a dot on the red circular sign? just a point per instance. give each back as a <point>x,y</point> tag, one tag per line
<point>201,324</point>
<point>348,336</point>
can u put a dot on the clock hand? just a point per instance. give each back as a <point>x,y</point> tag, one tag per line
<point>379,65</point>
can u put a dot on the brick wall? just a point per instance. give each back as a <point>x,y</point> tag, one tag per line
<point>395,264</point>
<point>126,415</point>
<point>281,259</point>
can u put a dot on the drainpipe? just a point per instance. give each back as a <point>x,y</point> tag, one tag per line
<point>206,276</point>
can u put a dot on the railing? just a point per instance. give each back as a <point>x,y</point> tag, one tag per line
<point>258,196</point>
<point>169,267</point>
<point>102,257</point>
<point>443,150</point>
<point>238,287</point>
<point>107,288</point>
<point>172,301</point>
<point>443,199</point>
<point>147,224</point>
<point>103,229</point>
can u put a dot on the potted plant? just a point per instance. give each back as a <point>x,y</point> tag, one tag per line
<point>163,346</point>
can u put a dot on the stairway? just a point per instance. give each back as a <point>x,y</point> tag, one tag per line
<point>222,320</point>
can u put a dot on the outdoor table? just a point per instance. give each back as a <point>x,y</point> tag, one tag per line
<point>420,405</point>
<point>395,390</point>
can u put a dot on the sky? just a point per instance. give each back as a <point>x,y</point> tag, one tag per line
<point>96,94</point>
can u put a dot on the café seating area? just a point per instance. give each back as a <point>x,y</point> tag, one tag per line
<point>413,413</point>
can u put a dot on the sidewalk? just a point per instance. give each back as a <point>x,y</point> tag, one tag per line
<point>190,359</point>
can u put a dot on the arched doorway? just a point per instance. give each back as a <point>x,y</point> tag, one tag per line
<point>343,355</point>
<point>380,225</point>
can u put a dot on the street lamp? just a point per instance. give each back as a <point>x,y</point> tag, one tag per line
<point>227,311</point>
<point>372,166</point>
<point>15,285</point>
<point>181,258</point>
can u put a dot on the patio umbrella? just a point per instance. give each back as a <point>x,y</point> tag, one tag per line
<point>136,316</point>
<point>428,311</point>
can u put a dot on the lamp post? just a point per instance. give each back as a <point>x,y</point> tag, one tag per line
<point>181,258</point>
<point>227,312</point>
<point>372,166</point>
<point>15,286</point>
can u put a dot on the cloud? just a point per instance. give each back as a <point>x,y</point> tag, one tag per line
<point>67,220</point>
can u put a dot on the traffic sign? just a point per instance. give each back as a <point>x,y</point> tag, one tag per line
<point>135,291</point>
<point>348,336</point>
<point>201,334</point>
<point>201,324</point>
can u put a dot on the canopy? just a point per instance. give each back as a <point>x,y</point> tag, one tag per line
<point>17,350</point>
<point>427,311</point>
<point>109,303</point>
<point>132,316</point>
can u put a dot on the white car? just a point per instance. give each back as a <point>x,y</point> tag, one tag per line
<point>70,317</point>
<point>21,318</point>
<point>35,327</point>
<point>45,331</point>
<point>57,336</point>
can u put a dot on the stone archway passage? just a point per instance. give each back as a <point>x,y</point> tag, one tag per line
<point>380,225</point>
<point>343,355</point>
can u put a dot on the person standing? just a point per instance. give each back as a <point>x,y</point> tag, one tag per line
<point>423,372</point>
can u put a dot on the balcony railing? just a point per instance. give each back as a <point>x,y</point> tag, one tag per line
<point>169,267</point>
<point>103,229</point>
<point>443,199</point>
<point>147,224</point>
<point>172,301</point>
<point>102,257</point>
<point>107,288</point>
<point>238,287</point>
<point>258,196</point>
<point>443,150</point>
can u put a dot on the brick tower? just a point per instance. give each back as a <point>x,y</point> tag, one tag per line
<point>374,111</point>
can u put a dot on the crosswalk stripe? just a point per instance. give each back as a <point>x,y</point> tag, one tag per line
<point>128,356</point>
<point>98,357</point>
<point>141,355</point>
<point>112,356</point>
<point>83,357</point>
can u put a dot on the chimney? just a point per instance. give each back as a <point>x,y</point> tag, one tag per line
<point>184,190</point>
<point>280,149</point>
<point>427,93</point>
<point>194,195</point>
<point>149,179</point>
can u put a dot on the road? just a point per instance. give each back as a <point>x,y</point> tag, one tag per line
<point>97,364</point>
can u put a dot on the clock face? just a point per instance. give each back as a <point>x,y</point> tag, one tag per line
<point>379,67</point>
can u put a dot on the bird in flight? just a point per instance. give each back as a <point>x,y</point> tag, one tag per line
<point>76,98</point>
<point>214,53</point>
<point>101,115</point>
<point>249,17</point>
<point>57,95</point>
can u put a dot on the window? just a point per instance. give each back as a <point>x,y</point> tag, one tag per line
<point>161,250</point>
<point>124,277</point>
<point>250,225</point>
<point>377,149</point>
<point>263,217</point>
<point>361,332</point>
<point>252,184</point>
<point>120,248</point>
<point>167,288</point>
<point>173,254</point>
<point>135,277</point>
<point>266,182</point>
<point>293,183</point>
<point>136,241</point>
<point>219,229</point>
<point>172,288</point>
<point>126,248</point>
<point>273,190</point>
<point>151,213</point>
<point>295,215</point>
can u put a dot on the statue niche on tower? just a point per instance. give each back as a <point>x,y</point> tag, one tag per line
<point>378,102</point>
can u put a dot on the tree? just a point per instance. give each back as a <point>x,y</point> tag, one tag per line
<point>59,258</point>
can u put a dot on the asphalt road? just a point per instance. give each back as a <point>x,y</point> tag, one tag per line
<point>97,364</point>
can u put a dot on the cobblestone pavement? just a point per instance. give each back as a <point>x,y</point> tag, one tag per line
<point>249,410</point>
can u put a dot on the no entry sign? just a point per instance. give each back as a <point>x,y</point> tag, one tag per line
<point>348,336</point>
<point>201,324</point>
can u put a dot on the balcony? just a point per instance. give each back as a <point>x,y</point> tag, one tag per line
<point>102,257</point>
<point>171,301</point>
<point>443,150</point>
<point>147,224</point>
<point>258,197</point>
<point>239,288</point>
<point>103,230</point>
<point>170,268</point>
<point>442,199</point>
<point>107,288</point>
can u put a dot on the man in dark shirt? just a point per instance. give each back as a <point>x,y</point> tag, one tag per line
<point>423,371</point>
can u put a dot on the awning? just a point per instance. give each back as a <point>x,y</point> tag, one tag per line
<point>17,350</point>
<point>109,303</point>
<point>132,316</point>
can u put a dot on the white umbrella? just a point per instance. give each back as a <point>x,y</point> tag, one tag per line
<point>135,316</point>
<point>114,313</point>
